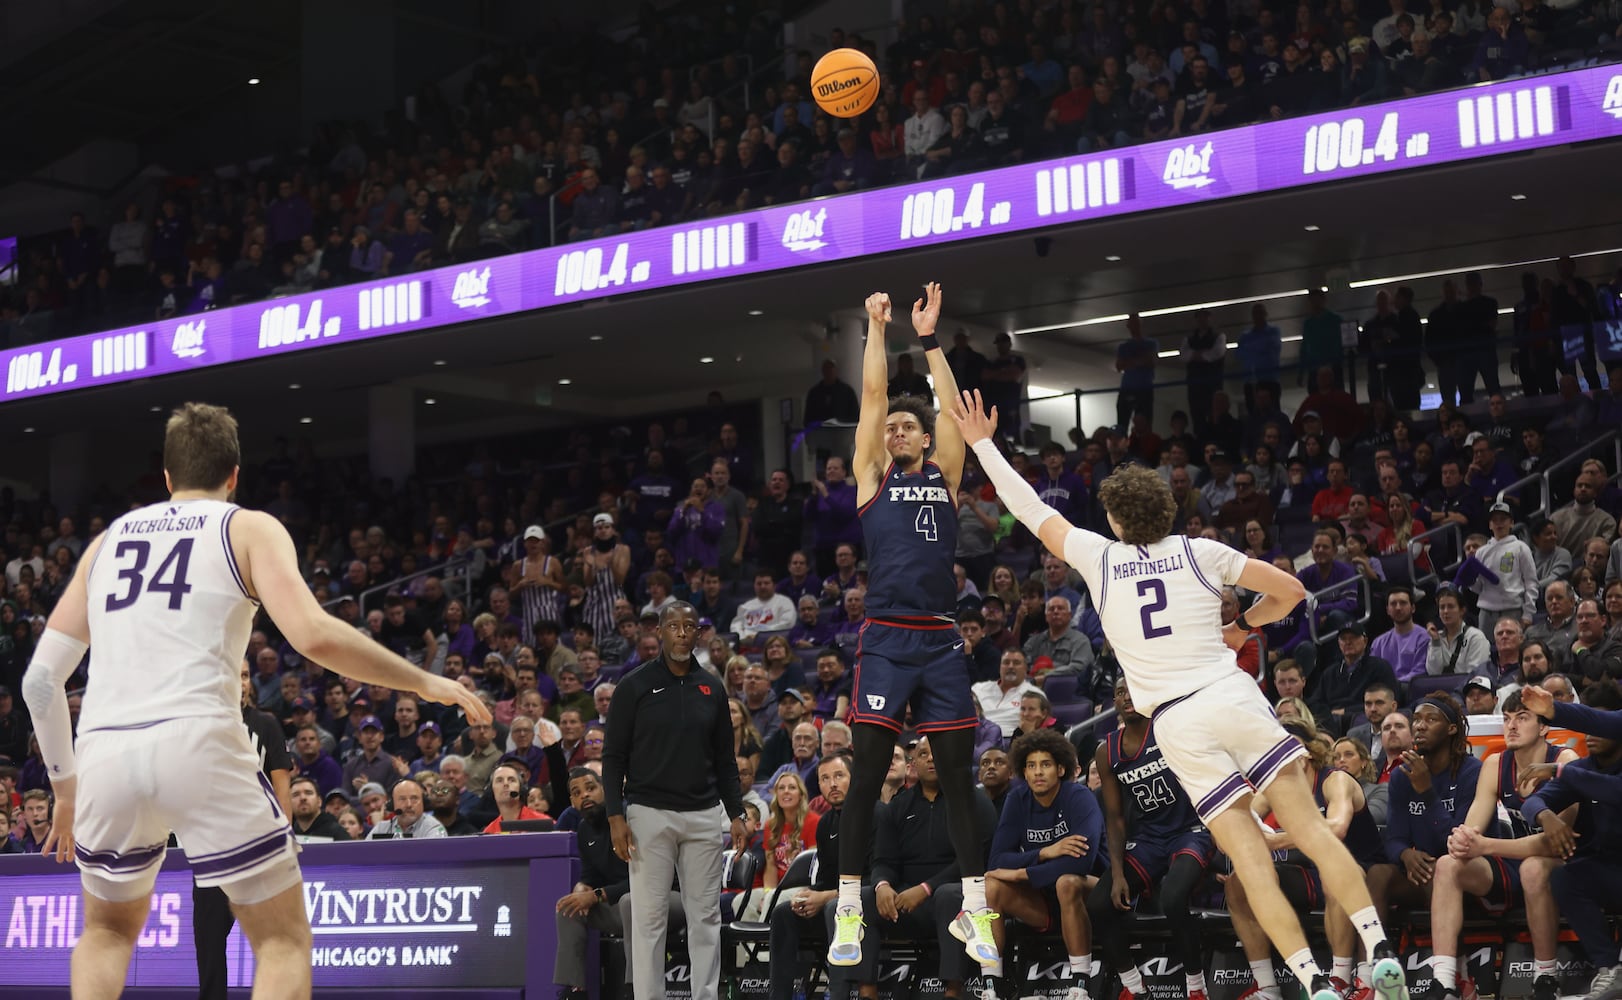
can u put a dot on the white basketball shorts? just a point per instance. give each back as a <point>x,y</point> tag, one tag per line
<point>1223,742</point>
<point>197,777</point>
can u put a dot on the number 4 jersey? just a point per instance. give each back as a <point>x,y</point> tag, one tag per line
<point>1161,607</point>
<point>910,529</point>
<point>170,618</point>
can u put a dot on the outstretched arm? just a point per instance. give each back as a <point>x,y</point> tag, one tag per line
<point>868,463</point>
<point>979,428</point>
<point>949,449</point>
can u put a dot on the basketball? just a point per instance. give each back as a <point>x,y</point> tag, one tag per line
<point>845,83</point>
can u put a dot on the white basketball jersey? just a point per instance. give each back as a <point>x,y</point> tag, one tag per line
<point>170,618</point>
<point>1161,608</point>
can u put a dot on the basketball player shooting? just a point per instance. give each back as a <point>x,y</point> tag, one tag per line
<point>1159,598</point>
<point>167,597</point>
<point>909,651</point>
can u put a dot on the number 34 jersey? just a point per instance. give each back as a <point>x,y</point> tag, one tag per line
<point>170,618</point>
<point>1161,608</point>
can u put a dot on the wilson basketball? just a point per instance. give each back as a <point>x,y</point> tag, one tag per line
<point>845,83</point>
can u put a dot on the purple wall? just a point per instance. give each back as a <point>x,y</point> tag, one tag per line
<point>473,915</point>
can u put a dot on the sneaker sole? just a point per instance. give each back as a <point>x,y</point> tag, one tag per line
<point>1328,993</point>
<point>845,961</point>
<point>986,962</point>
<point>1390,982</point>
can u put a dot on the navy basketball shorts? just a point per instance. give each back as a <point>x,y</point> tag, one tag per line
<point>1505,893</point>
<point>901,664</point>
<point>1148,858</point>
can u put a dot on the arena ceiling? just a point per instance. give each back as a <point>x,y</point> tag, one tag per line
<point>650,346</point>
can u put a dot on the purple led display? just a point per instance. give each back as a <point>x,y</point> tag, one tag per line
<point>1451,127</point>
<point>453,924</point>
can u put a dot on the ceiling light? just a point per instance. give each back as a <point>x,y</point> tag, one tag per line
<point>430,401</point>
<point>1290,340</point>
<point>1517,197</point>
<point>1310,229</point>
<point>306,420</point>
<point>706,360</point>
<point>1113,258</point>
<point>1323,288</point>
<point>1167,311</point>
<point>253,81</point>
<point>1392,278</point>
<point>155,409</point>
<point>440,363</point>
<point>596,336</point>
<point>295,385</point>
<point>757,312</point>
<point>565,381</point>
<point>28,430</point>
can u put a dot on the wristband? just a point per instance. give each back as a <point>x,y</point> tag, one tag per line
<point>1559,766</point>
<point>881,882</point>
<point>1244,626</point>
<point>927,890</point>
<point>930,343</point>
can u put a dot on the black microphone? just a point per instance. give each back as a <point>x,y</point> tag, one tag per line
<point>514,795</point>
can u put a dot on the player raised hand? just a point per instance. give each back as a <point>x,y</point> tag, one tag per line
<point>878,307</point>
<point>926,312</point>
<point>1537,700</point>
<point>970,414</point>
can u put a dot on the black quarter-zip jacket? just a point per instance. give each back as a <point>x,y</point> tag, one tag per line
<point>669,743</point>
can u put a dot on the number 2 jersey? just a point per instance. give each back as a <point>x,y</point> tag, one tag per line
<point>1161,608</point>
<point>170,618</point>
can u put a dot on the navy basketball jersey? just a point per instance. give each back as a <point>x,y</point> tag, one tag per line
<point>910,528</point>
<point>1512,800</point>
<point>1160,807</point>
<point>1362,834</point>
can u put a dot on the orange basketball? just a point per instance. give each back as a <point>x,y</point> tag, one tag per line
<point>845,83</point>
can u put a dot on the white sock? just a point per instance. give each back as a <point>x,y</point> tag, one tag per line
<point>1304,966</point>
<point>850,893</point>
<point>1262,972</point>
<point>1132,979</point>
<point>1342,969</point>
<point>1365,972</point>
<point>1446,970</point>
<point>974,893</point>
<point>993,970</point>
<point>1196,982</point>
<point>1542,968</point>
<point>1081,965</point>
<point>1367,922</point>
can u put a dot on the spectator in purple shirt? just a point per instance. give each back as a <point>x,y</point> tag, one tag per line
<point>1405,645</point>
<point>811,630</point>
<point>288,218</point>
<point>1059,488</point>
<point>1325,571</point>
<point>831,509</point>
<point>412,248</point>
<point>833,686</point>
<point>800,580</point>
<point>850,167</point>
<point>695,527</point>
<point>365,254</point>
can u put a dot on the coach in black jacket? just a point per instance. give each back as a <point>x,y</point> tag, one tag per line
<point>670,782</point>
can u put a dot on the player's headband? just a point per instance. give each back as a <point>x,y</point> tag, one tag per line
<point>1445,707</point>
